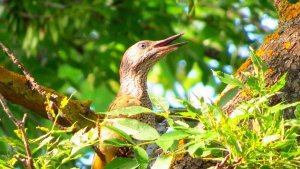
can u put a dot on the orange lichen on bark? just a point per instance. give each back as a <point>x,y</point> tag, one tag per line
<point>244,66</point>
<point>287,45</point>
<point>16,89</point>
<point>180,156</point>
<point>269,53</point>
<point>273,36</point>
<point>282,7</point>
<point>289,11</point>
<point>260,52</point>
<point>244,93</point>
<point>269,71</point>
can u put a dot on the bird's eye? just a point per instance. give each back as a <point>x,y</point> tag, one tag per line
<point>143,45</point>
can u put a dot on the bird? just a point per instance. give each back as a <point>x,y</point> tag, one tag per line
<point>135,65</point>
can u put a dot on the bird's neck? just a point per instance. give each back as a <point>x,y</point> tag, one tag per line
<point>134,85</point>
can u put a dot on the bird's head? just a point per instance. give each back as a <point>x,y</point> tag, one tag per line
<point>140,57</point>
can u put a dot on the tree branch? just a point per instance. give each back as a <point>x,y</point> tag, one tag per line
<point>25,91</point>
<point>27,74</point>
<point>28,162</point>
<point>16,89</point>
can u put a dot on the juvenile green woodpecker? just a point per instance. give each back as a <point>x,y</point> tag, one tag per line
<point>134,68</point>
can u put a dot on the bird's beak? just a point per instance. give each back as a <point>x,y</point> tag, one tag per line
<point>163,44</point>
<point>161,48</point>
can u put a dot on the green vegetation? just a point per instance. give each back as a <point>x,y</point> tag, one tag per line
<point>255,135</point>
<point>75,47</point>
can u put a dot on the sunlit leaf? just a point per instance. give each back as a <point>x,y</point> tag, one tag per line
<point>129,111</point>
<point>138,130</point>
<point>141,156</point>
<point>116,142</point>
<point>122,163</point>
<point>196,150</point>
<point>162,162</point>
<point>267,139</point>
<point>7,164</point>
<point>259,66</point>
<point>280,106</point>
<point>11,141</point>
<point>297,111</point>
<point>44,142</point>
<point>279,84</point>
<point>160,102</point>
<point>64,102</point>
<point>190,107</point>
<point>120,132</point>
<point>228,79</point>
<point>18,133</point>
<point>167,139</point>
<point>253,83</point>
<point>44,129</point>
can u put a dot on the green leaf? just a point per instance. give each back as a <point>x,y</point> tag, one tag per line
<point>122,163</point>
<point>227,95</point>
<point>82,135</point>
<point>167,139</point>
<point>291,131</point>
<point>141,156</point>
<point>44,142</point>
<point>54,32</point>
<point>15,143</point>
<point>218,114</point>
<point>270,138</point>
<point>297,111</point>
<point>280,106</point>
<point>190,107</point>
<point>191,8</point>
<point>138,130</point>
<point>253,83</point>
<point>259,66</point>
<point>128,111</point>
<point>8,163</point>
<point>265,167</point>
<point>120,132</point>
<point>196,150</point>
<point>116,142</point>
<point>229,79</point>
<point>163,162</point>
<point>293,122</point>
<point>279,84</point>
<point>160,102</point>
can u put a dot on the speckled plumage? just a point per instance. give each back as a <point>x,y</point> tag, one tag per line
<point>135,64</point>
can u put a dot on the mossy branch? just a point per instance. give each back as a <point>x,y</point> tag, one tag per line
<point>16,89</point>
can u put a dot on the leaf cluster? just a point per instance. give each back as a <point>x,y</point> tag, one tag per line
<point>254,135</point>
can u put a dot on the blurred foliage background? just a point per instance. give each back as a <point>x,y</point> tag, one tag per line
<point>77,45</point>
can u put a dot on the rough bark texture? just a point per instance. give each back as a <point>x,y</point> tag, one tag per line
<point>281,52</point>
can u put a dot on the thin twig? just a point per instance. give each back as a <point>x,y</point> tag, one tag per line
<point>28,162</point>
<point>26,143</point>
<point>28,76</point>
<point>222,163</point>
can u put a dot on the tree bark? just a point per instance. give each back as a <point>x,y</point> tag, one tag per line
<point>16,89</point>
<point>281,52</point>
